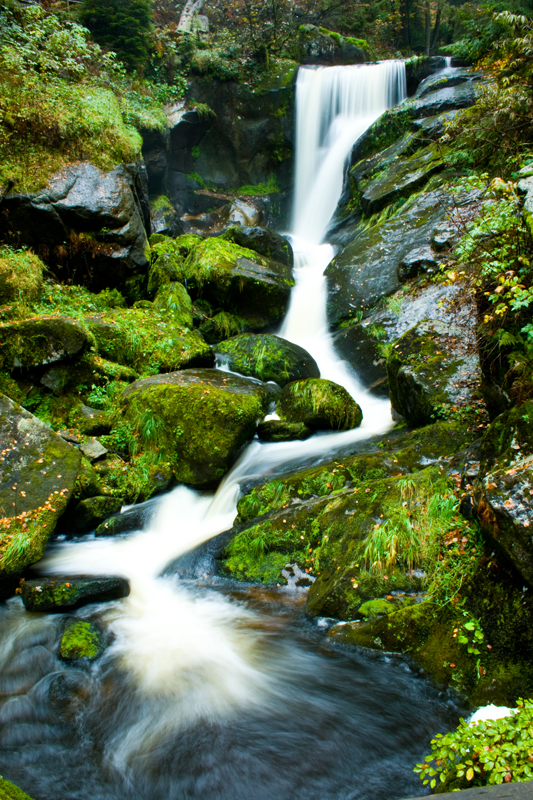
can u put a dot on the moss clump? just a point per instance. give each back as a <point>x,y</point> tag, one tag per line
<point>39,341</point>
<point>80,640</point>
<point>174,301</point>
<point>8,791</point>
<point>221,326</point>
<point>375,608</point>
<point>21,275</point>
<point>319,404</point>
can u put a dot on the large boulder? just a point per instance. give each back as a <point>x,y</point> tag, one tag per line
<point>433,370</point>
<point>42,340</point>
<point>263,241</point>
<point>207,417</point>
<point>320,405</point>
<point>240,281</point>
<point>267,357</point>
<point>153,337</point>
<point>368,268</point>
<point>93,222</point>
<point>39,471</point>
<point>503,494</point>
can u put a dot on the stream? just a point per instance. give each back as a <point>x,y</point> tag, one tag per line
<point>212,689</point>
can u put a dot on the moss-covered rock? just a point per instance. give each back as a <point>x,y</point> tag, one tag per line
<point>174,300</point>
<point>263,241</point>
<point>89,513</point>
<point>205,417</point>
<point>21,275</point>
<point>239,280</point>
<point>375,608</point>
<point>42,340</point>
<point>150,340</point>
<point>319,404</point>
<point>268,357</point>
<point>433,372</point>
<point>39,470</point>
<point>60,594</point>
<point>81,639</point>
<point>278,430</point>
<point>221,326</point>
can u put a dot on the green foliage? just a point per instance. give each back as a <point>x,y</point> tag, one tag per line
<point>21,275</point>
<point>260,189</point>
<point>120,25</point>
<point>488,752</point>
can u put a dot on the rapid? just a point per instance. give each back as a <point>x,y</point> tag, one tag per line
<point>211,689</point>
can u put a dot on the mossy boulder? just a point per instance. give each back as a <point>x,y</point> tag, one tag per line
<point>21,275</point>
<point>81,639</point>
<point>221,326</point>
<point>268,357</point>
<point>42,340</point>
<point>173,299</point>
<point>238,280</point>
<point>67,593</point>
<point>39,471</point>
<point>321,46</point>
<point>375,608</point>
<point>89,513</point>
<point>206,416</point>
<point>432,372</point>
<point>278,430</point>
<point>167,260</point>
<point>151,339</point>
<point>319,404</point>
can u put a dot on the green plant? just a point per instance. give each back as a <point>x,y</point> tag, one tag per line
<point>488,752</point>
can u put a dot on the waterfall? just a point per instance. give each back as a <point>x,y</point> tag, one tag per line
<point>197,650</point>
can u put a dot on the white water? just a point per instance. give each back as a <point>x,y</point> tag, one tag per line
<point>197,654</point>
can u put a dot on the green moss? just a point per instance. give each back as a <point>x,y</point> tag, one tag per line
<point>385,131</point>
<point>375,608</point>
<point>268,358</point>
<point>320,404</point>
<point>362,43</point>
<point>21,275</point>
<point>8,791</point>
<point>263,189</point>
<point>80,640</point>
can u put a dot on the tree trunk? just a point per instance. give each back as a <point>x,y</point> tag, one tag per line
<point>192,8</point>
<point>428,27</point>
<point>436,28</point>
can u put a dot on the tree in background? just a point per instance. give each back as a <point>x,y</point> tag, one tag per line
<point>121,25</point>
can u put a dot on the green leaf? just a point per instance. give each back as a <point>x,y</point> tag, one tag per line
<point>470,774</point>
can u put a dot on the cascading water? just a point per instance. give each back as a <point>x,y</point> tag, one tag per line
<point>200,694</point>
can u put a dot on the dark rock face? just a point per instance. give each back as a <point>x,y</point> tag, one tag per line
<point>39,470</point>
<point>131,520</point>
<point>418,69</point>
<point>431,370</point>
<point>318,46</point>
<point>265,242</point>
<point>359,347</point>
<point>40,341</point>
<point>67,593</point>
<point>89,513</point>
<point>208,416</point>
<point>368,268</point>
<point>268,357</point>
<point>85,216</point>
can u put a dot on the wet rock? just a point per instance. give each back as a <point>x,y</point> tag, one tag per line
<point>441,100</point>
<point>220,327</point>
<point>253,287</point>
<point>447,79</point>
<point>92,421</point>
<point>39,470</point>
<point>419,68</point>
<point>89,513</point>
<point>416,262</point>
<point>39,341</point>
<point>268,358</point>
<point>319,404</point>
<point>363,350</point>
<point>93,450</point>
<point>401,179</point>
<point>265,242</point>
<point>133,519</point>
<point>68,593</point>
<point>368,268</point>
<point>164,219</point>
<point>277,430</point>
<point>102,215</point>
<point>81,640</point>
<point>207,416</point>
<point>432,370</point>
